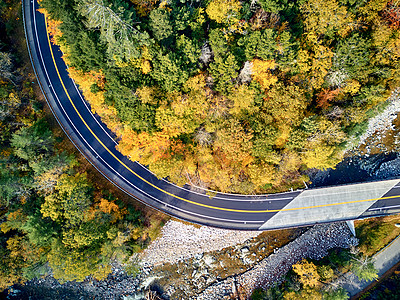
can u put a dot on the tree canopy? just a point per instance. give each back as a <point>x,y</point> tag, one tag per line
<point>55,219</point>
<point>234,96</point>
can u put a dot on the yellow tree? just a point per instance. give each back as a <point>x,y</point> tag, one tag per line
<point>106,207</point>
<point>70,200</point>
<point>328,132</point>
<point>187,111</point>
<point>261,72</point>
<point>261,174</point>
<point>18,255</point>
<point>174,124</point>
<point>85,81</point>
<point>233,144</point>
<point>223,11</point>
<point>171,167</point>
<point>148,94</point>
<point>386,39</point>
<point>372,8</point>
<point>143,7</point>
<point>193,105</point>
<point>242,98</point>
<point>307,272</point>
<point>144,146</point>
<point>75,264</point>
<point>325,17</point>
<point>286,104</point>
<point>321,63</point>
<point>210,171</point>
<point>53,26</point>
<point>304,294</point>
<point>321,156</point>
<point>290,162</point>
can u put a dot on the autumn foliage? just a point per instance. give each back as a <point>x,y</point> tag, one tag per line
<point>325,97</point>
<point>274,90</point>
<point>392,14</point>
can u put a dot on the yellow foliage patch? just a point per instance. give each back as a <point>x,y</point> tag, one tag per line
<point>307,272</point>
<point>15,216</point>
<point>262,72</point>
<point>145,66</point>
<point>352,87</point>
<point>143,145</point>
<point>223,11</point>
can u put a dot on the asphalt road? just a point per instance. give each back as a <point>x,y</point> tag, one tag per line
<point>96,143</point>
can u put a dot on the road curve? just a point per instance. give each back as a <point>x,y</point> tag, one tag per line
<point>231,211</point>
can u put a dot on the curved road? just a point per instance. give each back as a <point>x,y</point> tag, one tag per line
<point>251,212</point>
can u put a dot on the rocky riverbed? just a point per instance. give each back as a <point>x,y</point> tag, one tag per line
<point>179,241</point>
<point>210,263</point>
<point>258,261</point>
<point>314,244</point>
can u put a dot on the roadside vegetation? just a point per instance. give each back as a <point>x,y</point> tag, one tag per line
<point>321,279</point>
<point>376,233</point>
<point>386,289</point>
<point>229,95</point>
<point>53,217</point>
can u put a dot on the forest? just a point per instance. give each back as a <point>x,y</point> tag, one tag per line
<point>236,96</point>
<point>54,218</point>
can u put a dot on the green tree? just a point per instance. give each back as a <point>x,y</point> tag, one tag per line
<point>13,186</point>
<point>7,67</point>
<point>363,268</point>
<point>260,44</point>
<point>189,49</point>
<point>40,231</point>
<point>336,294</point>
<point>132,111</point>
<point>47,171</point>
<point>224,71</point>
<point>218,42</point>
<point>160,23</point>
<point>352,57</point>
<point>274,6</point>
<point>70,200</point>
<point>86,53</point>
<point>114,21</point>
<point>33,141</point>
<point>169,72</point>
<point>325,272</point>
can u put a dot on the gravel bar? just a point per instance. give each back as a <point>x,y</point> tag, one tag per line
<point>181,241</point>
<point>314,244</point>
